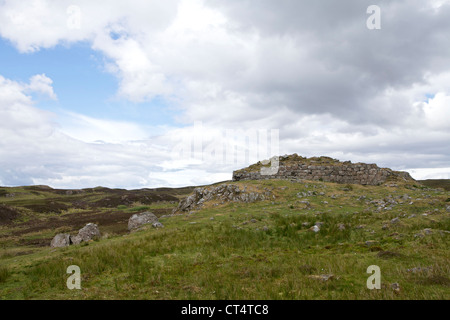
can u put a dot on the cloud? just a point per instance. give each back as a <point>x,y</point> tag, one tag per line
<point>89,129</point>
<point>312,70</point>
<point>40,83</point>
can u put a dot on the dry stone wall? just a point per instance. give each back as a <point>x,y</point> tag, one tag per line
<point>323,169</point>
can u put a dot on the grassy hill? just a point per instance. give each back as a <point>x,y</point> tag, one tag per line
<point>437,183</point>
<point>260,250</point>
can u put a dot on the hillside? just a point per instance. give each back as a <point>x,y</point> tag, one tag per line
<point>302,240</point>
<point>437,183</point>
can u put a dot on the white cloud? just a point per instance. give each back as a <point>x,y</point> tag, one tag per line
<point>437,111</point>
<point>90,129</point>
<point>310,69</point>
<point>429,173</point>
<point>42,84</point>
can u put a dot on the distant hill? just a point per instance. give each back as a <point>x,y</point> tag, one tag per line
<point>437,183</point>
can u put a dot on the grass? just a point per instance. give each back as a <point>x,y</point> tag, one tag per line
<point>4,274</point>
<point>263,250</point>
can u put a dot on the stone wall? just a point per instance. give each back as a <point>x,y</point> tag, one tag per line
<point>322,169</point>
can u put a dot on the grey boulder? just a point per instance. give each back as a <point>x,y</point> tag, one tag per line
<point>60,240</point>
<point>88,232</point>
<point>139,219</point>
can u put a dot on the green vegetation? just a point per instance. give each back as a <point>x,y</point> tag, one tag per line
<point>260,250</point>
<point>437,183</point>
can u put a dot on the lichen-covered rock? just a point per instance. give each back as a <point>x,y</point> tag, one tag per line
<point>60,240</point>
<point>88,232</point>
<point>139,219</point>
<point>223,192</point>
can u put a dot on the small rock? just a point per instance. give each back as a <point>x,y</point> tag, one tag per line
<point>395,220</point>
<point>322,277</point>
<point>447,208</point>
<point>385,227</point>
<point>315,228</point>
<point>341,226</point>
<point>427,231</point>
<point>265,228</point>
<point>253,221</point>
<point>395,287</point>
<point>305,224</point>
<point>419,269</point>
<point>371,242</point>
<point>157,224</point>
<point>319,224</point>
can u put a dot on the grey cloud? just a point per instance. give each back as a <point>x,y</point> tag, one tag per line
<point>340,65</point>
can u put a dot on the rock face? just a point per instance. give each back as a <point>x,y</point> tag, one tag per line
<point>60,240</point>
<point>88,232</point>
<point>140,219</point>
<point>321,168</point>
<point>224,192</point>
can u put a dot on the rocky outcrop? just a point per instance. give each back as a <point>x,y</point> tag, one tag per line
<point>224,192</point>
<point>87,233</point>
<point>136,221</point>
<point>322,169</point>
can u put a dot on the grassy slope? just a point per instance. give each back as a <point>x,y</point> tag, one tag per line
<point>225,252</point>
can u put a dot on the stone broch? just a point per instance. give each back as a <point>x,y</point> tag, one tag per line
<point>323,169</point>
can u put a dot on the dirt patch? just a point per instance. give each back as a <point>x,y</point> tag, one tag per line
<point>7,214</point>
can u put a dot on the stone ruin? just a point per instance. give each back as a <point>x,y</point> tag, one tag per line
<point>321,169</point>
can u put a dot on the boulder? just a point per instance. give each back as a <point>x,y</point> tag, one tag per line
<point>139,219</point>
<point>60,240</point>
<point>88,232</point>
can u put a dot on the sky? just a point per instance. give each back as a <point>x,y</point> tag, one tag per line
<point>143,94</point>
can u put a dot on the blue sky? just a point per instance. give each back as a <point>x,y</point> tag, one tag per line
<point>81,83</point>
<point>121,94</point>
